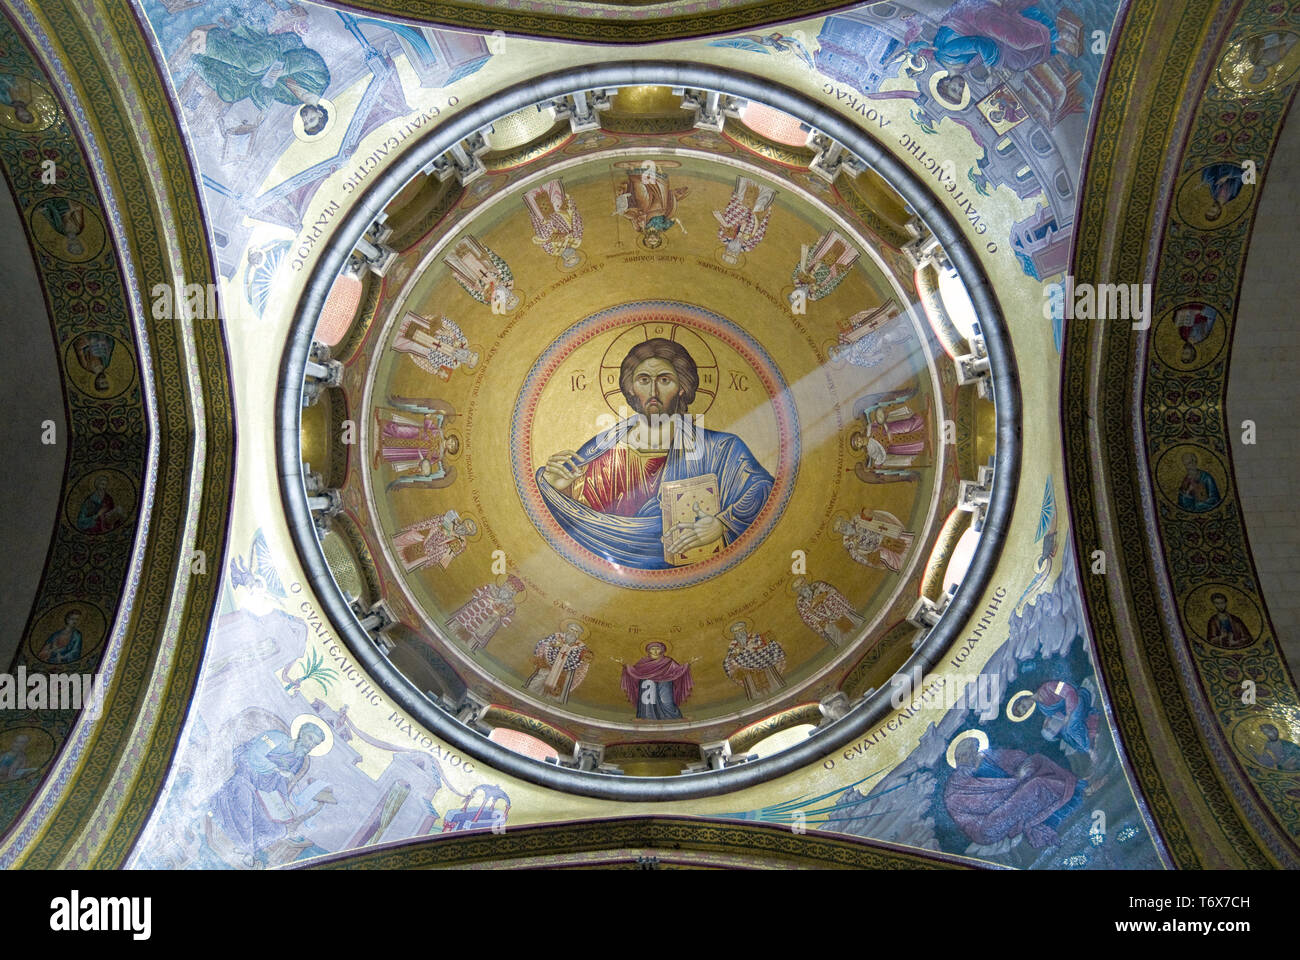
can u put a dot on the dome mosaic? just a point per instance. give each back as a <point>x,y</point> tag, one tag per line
<point>654,446</point>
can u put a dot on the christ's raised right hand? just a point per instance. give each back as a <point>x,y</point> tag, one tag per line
<point>562,470</point>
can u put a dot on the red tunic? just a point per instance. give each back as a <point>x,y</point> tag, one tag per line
<point>620,481</point>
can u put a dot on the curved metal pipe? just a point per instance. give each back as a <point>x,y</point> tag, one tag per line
<point>1005,386</point>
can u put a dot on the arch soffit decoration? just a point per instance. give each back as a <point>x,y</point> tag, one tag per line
<point>619,22</point>
<point>642,841</point>
<point>94,797</point>
<point>1177,702</point>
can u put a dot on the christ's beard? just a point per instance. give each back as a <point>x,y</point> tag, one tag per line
<point>676,407</point>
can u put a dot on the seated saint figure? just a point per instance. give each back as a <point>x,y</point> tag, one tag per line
<point>997,797</point>
<point>1277,753</point>
<point>64,646</point>
<point>1197,492</point>
<point>606,495</point>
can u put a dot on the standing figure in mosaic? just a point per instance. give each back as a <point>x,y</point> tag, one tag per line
<point>489,608</point>
<point>657,684</point>
<point>483,274</point>
<point>440,539</point>
<point>647,201</point>
<point>742,224</point>
<point>875,538</point>
<point>436,350</point>
<point>865,338</point>
<point>892,438</point>
<point>557,224</point>
<point>754,661</point>
<point>825,610</point>
<point>412,438</point>
<point>822,267</point>
<point>560,662</point>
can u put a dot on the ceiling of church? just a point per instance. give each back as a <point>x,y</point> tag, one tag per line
<point>561,557</point>
<point>632,429</point>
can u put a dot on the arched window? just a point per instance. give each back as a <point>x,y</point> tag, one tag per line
<point>340,310</point>
<point>959,563</point>
<point>529,746</point>
<point>957,303</point>
<point>781,739</point>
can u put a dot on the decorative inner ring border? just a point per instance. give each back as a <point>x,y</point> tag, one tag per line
<point>649,312</point>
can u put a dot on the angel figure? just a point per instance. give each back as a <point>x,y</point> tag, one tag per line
<point>258,576</point>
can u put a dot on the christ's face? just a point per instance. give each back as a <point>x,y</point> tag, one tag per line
<point>654,387</point>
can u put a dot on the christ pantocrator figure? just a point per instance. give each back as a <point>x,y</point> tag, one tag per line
<point>607,494</point>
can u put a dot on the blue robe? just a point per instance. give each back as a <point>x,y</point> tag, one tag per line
<point>1188,500</point>
<point>1075,732</point>
<point>264,763</point>
<point>744,486</point>
<point>68,654</point>
<point>954,48</point>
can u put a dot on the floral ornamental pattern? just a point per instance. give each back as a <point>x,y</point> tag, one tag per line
<point>107,433</point>
<point>1202,533</point>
